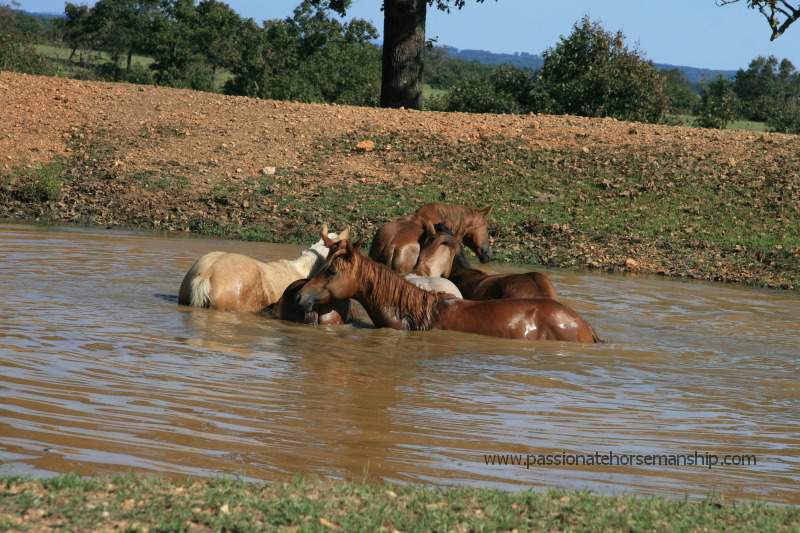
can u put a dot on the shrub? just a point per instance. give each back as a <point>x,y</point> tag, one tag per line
<point>40,184</point>
<point>593,73</point>
<point>784,117</point>
<point>506,90</point>
<point>717,104</point>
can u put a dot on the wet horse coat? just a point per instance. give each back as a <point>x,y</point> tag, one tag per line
<point>475,284</point>
<point>234,282</point>
<point>392,302</point>
<point>397,244</point>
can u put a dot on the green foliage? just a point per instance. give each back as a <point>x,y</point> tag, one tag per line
<point>310,57</point>
<point>717,104</point>
<point>39,184</point>
<point>506,90</point>
<point>785,118</point>
<point>444,72</point>
<point>16,44</point>
<point>682,96</point>
<point>593,73</point>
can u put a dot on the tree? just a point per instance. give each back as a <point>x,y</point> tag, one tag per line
<point>682,96</point>
<point>76,27</point>
<point>779,14</point>
<point>309,57</point>
<point>403,46</point>
<point>217,33</point>
<point>124,27</point>
<point>593,73</point>
<point>717,104</point>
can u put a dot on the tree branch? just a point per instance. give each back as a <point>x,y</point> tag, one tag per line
<point>773,11</point>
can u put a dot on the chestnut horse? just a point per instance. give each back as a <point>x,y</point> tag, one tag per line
<point>235,282</point>
<point>332,314</point>
<point>397,243</point>
<point>475,284</point>
<point>393,302</point>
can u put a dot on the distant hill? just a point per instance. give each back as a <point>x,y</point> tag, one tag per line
<point>533,61</point>
<point>697,75</point>
<point>517,59</point>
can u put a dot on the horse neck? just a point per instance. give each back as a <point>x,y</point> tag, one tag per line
<point>310,260</point>
<point>457,218</point>
<point>391,300</point>
<point>465,275</point>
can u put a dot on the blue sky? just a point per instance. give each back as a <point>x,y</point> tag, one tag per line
<point>683,32</point>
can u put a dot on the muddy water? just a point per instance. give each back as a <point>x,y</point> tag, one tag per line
<point>101,371</point>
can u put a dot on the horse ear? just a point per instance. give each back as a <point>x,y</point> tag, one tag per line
<point>327,240</point>
<point>485,211</point>
<point>344,235</point>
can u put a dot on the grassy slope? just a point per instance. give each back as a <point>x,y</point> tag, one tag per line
<point>138,504</point>
<point>566,192</point>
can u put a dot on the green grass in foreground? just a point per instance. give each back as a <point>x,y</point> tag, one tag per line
<point>131,503</point>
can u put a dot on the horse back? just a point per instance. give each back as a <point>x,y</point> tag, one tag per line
<point>527,318</point>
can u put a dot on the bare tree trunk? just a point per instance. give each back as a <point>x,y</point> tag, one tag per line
<point>130,56</point>
<point>72,54</point>
<point>403,47</point>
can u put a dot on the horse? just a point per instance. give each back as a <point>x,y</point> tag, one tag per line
<point>393,302</point>
<point>397,243</point>
<point>435,261</point>
<point>331,314</point>
<point>234,282</point>
<point>475,284</point>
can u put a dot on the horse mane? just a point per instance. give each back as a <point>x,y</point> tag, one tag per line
<point>416,308</point>
<point>460,219</point>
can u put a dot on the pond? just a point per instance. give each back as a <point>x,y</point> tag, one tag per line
<point>101,371</point>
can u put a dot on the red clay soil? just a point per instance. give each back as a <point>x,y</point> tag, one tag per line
<point>243,163</point>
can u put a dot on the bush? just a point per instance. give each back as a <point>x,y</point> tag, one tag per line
<point>785,117</point>
<point>19,56</point>
<point>593,73</point>
<point>41,184</point>
<point>506,89</point>
<point>717,104</point>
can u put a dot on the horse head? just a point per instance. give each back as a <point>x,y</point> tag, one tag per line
<point>476,236</point>
<point>337,279</point>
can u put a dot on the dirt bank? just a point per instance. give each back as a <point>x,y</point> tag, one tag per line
<point>567,191</point>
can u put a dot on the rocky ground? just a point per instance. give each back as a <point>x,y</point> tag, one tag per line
<point>567,191</point>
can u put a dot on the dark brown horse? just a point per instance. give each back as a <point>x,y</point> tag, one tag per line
<point>476,284</point>
<point>328,314</point>
<point>392,302</point>
<point>397,243</point>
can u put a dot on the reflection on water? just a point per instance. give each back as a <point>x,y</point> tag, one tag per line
<point>101,371</point>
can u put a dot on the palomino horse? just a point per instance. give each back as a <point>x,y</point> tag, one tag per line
<point>397,243</point>
<point>235,282</point>
<point>475,284</point>
<point>392,302</point>
<point>435,261</point>
<point>332,314</point>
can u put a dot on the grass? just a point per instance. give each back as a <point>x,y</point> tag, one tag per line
<point>93,59</point>
<point>131,503</point>
<point>745,125</point>
<point>670,211</point>
<point>38,184</point>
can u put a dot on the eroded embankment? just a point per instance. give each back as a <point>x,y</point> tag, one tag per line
<point>566,191</point>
